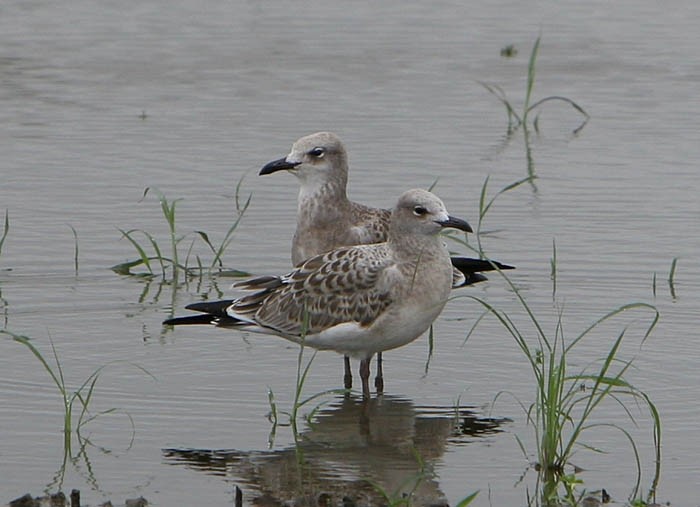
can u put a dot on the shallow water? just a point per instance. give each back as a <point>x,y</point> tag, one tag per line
<point>98,102</point>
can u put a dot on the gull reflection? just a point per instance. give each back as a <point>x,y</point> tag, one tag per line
<point>353,452</point>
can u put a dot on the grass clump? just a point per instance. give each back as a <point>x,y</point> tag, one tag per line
<point>72,400</point>
<point>565,402</point>
<point>515,119</point>
<point>175,261</point>
<point>568,403</point>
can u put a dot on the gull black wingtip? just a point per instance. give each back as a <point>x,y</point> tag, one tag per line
<point>469,265</point>
<point>190,319</point>
<point>456,223</point>
<point>211,312</point>
<point>472,268</point>
<point>277,165</point>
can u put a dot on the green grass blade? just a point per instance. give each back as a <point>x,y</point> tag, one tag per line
<point>27,343</point>
<point>586,116</point>
<point>75,248</point>
<point>553,268</point>
<point>431,348</point>
<point>617,311</point>
<point>498,92</point>
<point>466,501</point>
<point>159,255</point>
<point>474,326</point>
<point>482,198</point>
<point>139,249</point>
<point>531,66</point>
<point>672,273</point>
<point>671,277</point>
<point>319,394</point>
<point>62,386</point>
<point>125,268</point>
<point>228,237</point>
<point>5,229</point>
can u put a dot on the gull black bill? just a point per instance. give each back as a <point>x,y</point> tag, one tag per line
<point>278,165</point>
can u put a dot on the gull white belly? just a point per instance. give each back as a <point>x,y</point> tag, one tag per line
<point>396,328</point>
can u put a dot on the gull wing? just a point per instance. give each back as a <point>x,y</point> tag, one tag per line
<point>351,284</point>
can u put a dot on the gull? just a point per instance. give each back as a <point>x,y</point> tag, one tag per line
<point>356,300</point>
<point>327,219</point>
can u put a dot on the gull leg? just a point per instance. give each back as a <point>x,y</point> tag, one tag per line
<point>348,373</point>
<point>379,379</point>
<point>364,375</point>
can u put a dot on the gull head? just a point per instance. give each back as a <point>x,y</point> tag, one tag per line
<point>422,212</point>
<point>315,159</point>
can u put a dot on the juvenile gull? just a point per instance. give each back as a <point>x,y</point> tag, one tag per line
<point>357,300</point>
<point>327,219</point>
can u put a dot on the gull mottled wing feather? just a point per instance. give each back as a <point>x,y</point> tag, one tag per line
<point>368,225</point>
<point>346,285</point>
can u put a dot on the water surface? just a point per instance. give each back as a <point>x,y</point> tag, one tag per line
<point>99,102</point>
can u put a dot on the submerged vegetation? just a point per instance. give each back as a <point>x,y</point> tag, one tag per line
<point>172,260</point>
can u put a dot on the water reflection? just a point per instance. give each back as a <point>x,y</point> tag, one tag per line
<point>80,463</point>
<point>351,452</point>
<point>154,291</point>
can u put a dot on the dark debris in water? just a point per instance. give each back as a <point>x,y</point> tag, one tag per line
<point>59,500</point>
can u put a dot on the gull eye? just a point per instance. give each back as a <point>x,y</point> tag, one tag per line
<point>419,211</point>
<point>317,152</point>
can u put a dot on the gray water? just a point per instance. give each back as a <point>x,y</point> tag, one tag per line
<point>100,100</point>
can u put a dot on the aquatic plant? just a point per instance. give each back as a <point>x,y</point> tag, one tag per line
<point>168,210</point>
<point>563,410</point>
<point>172,264</point>
<point>516,120</point>
<point>80,397</point>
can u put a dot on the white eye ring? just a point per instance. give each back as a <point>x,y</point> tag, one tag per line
<point>317,152</point>
<point>419,211</point>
